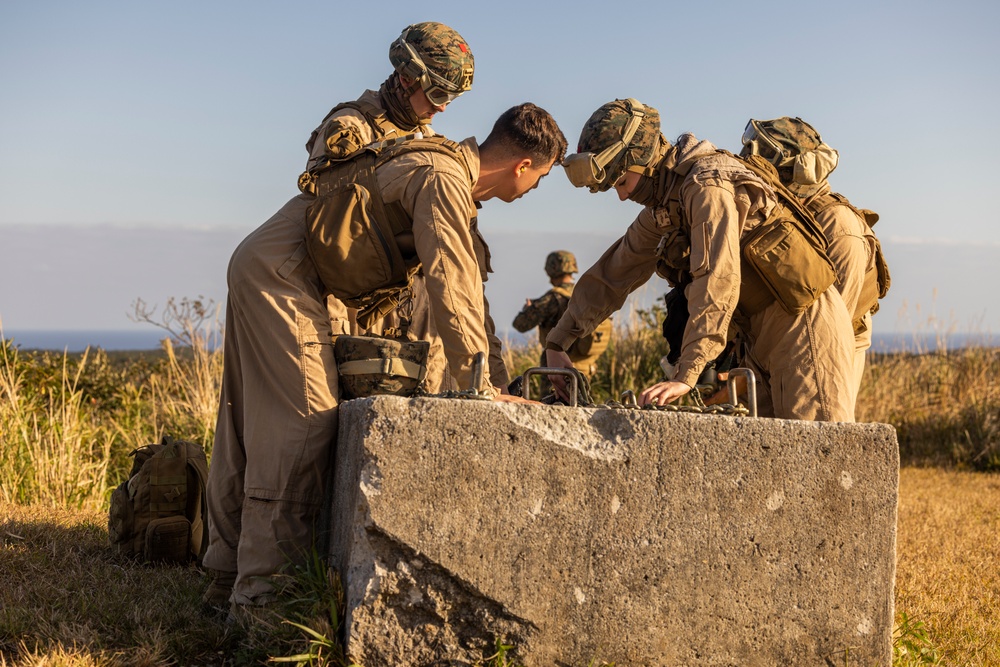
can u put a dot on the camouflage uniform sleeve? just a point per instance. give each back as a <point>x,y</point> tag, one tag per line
<point>543,311</point>
<point>338,136</point>
<point>603,288</point>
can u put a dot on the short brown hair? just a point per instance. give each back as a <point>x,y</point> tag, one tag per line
<point>527,130</point>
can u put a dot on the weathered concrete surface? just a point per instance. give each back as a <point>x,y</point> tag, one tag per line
<point>635,537</point>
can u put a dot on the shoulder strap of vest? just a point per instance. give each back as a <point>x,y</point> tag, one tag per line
<point>819,203</point>
<point>374,114</point>
<point>435,144</point>
<point>766,171</point>
<point>824,200</point>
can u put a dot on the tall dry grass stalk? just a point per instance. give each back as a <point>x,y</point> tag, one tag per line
<point>189,388</point>
<point>52,451</point>
<point>945,405</point>
<point>68,422</point>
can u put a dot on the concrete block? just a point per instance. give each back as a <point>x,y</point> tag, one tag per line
<point>625,536</point>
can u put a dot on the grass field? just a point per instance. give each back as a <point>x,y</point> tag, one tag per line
<point>68,423</point>
<point>67,601</point>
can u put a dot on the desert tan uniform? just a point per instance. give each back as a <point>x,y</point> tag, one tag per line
<point>339,135</point>
<point>852,250</point>
<point>803,362</point>
<point>277,422</point>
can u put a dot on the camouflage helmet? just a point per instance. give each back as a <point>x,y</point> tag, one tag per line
<point>607,126</point>
<point>560,262</point>
<point>779,140</point>
<point>436,57</point>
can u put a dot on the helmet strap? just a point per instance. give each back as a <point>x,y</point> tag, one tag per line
<point>614,154</point>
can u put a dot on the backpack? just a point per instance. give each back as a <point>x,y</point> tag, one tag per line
<point>784,258</point>
<point>159,512</point>
<point>877,280</point>
<point>352,235</point>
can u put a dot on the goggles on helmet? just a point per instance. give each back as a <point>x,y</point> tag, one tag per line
<point>587,169</point>
<point>439,90</point>
<point>761,143</point>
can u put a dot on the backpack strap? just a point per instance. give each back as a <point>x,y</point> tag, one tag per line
<point>373,114</point>
<point>802,215</point>
<point>197,510</point>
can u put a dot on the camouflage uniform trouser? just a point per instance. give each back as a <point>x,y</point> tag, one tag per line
<point>277,421</point>
<point>805,363</point>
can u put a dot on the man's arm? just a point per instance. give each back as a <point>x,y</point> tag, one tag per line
<point>440,203</point>
<point>543,311</point>
<point>716,223</point>
<point>603,288</point>
<point>338,136</point>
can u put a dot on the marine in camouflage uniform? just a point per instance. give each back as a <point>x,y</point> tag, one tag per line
<point>399,108</point>
<point>804,163</point>
<point>699,203</point>
<point>545,311</point>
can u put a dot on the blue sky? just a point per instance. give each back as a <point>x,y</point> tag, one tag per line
<point>190,117</point>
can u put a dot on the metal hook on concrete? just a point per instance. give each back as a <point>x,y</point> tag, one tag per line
<point>541,370</point>
<point>751,388</point>
<point>628,399</point>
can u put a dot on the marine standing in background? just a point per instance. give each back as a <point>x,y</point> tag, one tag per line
<point>433,65</point>
<point>545,311</point>
<point>700,205</point>
<point>804,164</point>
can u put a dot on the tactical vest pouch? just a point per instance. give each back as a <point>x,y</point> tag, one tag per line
<point>368,365</point>
<point>353,249</point>
<point>790,267</point>
<point>875,286</point>
<point>159,513</point>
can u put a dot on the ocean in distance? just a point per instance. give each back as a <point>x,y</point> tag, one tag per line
<point>149,339</point>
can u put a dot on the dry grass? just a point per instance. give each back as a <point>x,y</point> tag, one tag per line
<point>945,405</point>
<point>67,423</point>
<point>948,561</point>
<point>67,601</point>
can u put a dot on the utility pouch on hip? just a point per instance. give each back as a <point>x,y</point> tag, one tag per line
<point>790,267</point>
<point>368,365</point>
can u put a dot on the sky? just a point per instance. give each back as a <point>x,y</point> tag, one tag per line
<point>140,141</point>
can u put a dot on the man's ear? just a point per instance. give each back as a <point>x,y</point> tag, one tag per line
<point>522,166</point>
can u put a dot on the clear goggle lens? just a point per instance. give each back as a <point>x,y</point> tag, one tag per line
<point>760,141</point>
<point>439,92</point>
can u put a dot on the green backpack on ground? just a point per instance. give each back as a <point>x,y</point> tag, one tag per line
<point>159,513</point>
